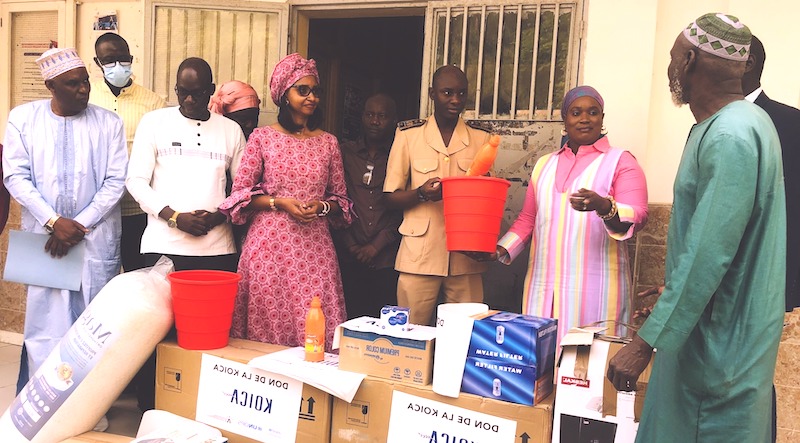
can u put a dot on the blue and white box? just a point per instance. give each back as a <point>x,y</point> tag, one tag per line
<point>514,338</point>
<point>511,357</point>
<point>394,318</point>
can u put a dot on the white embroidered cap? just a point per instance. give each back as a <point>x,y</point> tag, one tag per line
<point>56,61</point>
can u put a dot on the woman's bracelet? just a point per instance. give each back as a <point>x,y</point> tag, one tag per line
<point>612,212</point>
<point>272,206</point>
<point>326,208</point>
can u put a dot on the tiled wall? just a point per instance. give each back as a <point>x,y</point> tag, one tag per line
<point>647,251</point>
<point>787,380</point>
<point>651,250</point>
<point>12,295</point>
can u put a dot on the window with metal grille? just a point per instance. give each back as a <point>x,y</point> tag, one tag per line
<point>518,57</point>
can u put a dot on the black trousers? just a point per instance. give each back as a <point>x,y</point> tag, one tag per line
<point>367,290</point>
<point>132,230</point>
<point>145,380</point>
<point>227,262</point>
<point>774,415</point>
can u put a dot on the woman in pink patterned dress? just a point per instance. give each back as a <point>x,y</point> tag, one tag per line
<point>289,186</point>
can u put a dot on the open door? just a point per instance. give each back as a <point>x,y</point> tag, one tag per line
<point>241,41</point>
<point>361,49</point>
<point>360,56</point>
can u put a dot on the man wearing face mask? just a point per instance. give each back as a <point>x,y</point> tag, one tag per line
<point>118,93</point>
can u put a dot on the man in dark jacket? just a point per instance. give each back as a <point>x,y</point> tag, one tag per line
<point>787,122</point>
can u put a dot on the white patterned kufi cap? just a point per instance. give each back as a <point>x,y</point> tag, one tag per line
<point>720,34</point>
<point>56,61</point>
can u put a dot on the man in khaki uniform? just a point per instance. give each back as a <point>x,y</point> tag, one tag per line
<point>423,152</point>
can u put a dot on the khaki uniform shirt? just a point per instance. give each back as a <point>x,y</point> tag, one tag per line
<point>418,154</point>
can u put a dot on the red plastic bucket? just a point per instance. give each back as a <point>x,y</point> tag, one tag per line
<point>473,210</point>
<point>202,301</point>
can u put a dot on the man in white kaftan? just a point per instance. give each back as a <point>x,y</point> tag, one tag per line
<point>65,161</point>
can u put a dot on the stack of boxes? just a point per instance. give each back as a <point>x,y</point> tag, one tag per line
<point>510,360</point>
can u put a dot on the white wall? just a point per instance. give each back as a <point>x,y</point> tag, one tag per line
<point>618,58</point>
<point>775,22</point>
<point>131,27</point>
<point>626,58</point>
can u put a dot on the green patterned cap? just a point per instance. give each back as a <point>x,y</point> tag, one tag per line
<point>720,34</point>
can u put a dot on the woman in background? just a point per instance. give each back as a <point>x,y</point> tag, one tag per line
<point>290,186</point>
<point>239,102</point>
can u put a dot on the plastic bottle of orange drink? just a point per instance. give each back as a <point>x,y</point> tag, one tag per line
<point>485,158</point>
<point>315,331</point>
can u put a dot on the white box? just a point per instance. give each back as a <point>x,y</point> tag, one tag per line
<point>395,318</point>
<point>588,409</point>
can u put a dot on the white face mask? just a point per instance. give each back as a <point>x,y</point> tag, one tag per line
<point>118,75</point>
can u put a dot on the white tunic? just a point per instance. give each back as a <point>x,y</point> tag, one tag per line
<point>182,163</point>
<point>73,166</point>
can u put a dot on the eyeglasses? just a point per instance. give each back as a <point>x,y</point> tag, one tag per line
<point>304,90</point>
<point>196,94</point>
<point>367,178</point>
<point>108,64</point>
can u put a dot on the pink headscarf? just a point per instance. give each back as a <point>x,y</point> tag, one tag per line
<point>233,96</point>
<point>289,70</point>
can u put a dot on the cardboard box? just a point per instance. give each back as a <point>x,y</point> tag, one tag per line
<point>511,357</point>
<point>98,437</point>
<point>405,356</point>
<point>588,408</point>
<point>178,378</point>
<point>416,413</point>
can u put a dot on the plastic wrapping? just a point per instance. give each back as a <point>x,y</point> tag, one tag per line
<point>96,359</point>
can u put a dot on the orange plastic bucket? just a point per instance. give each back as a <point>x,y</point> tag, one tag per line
<point>202,301</point>
<point>473,210</point>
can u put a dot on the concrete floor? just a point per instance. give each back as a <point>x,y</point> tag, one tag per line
<point>123,417</point>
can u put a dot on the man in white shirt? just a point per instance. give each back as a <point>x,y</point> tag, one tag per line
<point>176,173</point>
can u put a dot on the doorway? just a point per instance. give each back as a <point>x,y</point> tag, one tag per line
<point>357,57</point>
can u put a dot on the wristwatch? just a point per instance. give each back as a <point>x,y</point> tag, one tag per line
<point>50,225</point>
<point>173,221</point>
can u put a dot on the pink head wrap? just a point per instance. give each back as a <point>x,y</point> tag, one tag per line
<point>289,70</point>
<point>233,96</point>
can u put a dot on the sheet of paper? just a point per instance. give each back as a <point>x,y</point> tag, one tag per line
<point>420,420</point>
<point>27,262</point>
<point>453,333</point>
<point>581,336</point>
<point>324,375</point>
<point>248,401</point>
